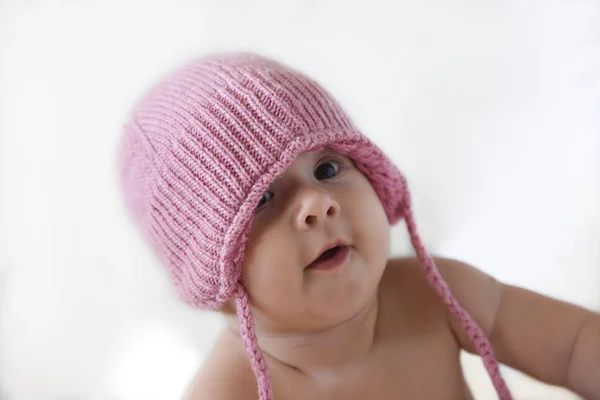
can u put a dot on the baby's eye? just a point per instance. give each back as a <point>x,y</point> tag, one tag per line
<point>264,199</point>
<point>327,170</point>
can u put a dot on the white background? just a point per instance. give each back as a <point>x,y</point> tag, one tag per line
<point>491,108</point>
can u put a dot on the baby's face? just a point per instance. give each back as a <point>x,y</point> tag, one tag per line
<point>321,198</point>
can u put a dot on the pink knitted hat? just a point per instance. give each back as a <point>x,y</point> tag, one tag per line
<point>202,146</point>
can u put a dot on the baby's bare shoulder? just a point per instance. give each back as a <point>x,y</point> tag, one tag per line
<point>411,302</point>
<point>404,280</point>
<point>225,374</point>
<point>477,293</point>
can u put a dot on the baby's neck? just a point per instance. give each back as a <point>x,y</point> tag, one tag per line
<point>323,354</point>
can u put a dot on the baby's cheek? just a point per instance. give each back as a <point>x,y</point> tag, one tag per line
<point>271,272</point>
<point>277,294</point>
<point>373,227</point>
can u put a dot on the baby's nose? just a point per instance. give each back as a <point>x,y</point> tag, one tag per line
<point>315,206</point>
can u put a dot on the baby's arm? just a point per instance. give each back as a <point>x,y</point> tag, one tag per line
<point>553,341</point>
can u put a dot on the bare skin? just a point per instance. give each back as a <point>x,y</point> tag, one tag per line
<point>405,348</point>
<point>374,328</point>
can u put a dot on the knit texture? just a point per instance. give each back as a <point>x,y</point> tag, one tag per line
<point>201,147</point>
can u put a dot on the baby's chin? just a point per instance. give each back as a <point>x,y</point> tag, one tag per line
<point>317,311</point>
<point>342,295</point>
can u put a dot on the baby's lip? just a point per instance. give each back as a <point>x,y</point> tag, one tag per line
<point>328,246</point>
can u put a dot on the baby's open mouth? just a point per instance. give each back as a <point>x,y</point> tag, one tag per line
<point>328,254</point>
<point>330,258</point>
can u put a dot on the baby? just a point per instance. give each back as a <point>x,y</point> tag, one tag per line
<point>263,200</point>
